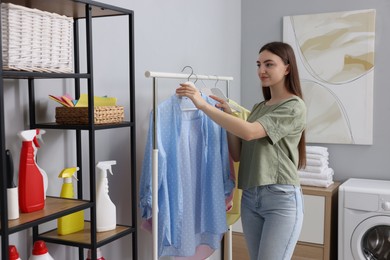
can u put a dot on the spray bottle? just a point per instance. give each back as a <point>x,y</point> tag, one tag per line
<point>13,253</point>
<point>40,251</point>
<point>73,222</point>
<point>105,209</point>
<point>98,254</point>
<point>36,145</point>
<point>31,183</point>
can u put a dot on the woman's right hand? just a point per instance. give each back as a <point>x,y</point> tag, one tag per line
<point>189,90</point>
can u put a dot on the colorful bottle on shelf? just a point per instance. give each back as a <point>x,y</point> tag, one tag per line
<point>98,255</point>
<point>13,253</point>
<point>31,183</point>
<point>36,144</point>
<point>40,251</point>
<point>73,222</point>
<point>105,209</point>
<point>12,189</point>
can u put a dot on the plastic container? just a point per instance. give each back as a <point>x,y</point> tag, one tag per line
<point>98,255</point>
<point>40,251</point>
<point>13,203</point>
<point>31,183</point>
<point>12,190</point>
<point>73,222</point>
<point>13,253</point>
<point>105,208</point>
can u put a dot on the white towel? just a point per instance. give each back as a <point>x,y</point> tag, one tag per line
<point>317,162</point>
<point>315,169</point>
<point>317,156</point>
<point>320,150</point>
<point>317,183</point>
<point>326,175</point>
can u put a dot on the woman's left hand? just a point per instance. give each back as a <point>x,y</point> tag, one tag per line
<point>222,104</point>
<point>189,90</point>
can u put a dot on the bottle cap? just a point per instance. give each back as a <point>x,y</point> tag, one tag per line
<point>98,254</point>
<point>13,252</point>
<point>39,248</point>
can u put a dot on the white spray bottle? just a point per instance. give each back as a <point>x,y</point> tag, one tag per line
<point>105,209</point>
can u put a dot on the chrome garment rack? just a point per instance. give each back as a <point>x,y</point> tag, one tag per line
<point>155,76</point>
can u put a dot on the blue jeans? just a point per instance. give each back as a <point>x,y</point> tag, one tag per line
<point>272,218</point>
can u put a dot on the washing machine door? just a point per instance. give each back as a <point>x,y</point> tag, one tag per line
<point>371,239</point>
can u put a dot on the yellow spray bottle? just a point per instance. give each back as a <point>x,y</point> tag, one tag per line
<point>73,222</point>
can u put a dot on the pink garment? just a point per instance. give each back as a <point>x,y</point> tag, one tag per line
<point>202,251</point>
<point>229,200</point>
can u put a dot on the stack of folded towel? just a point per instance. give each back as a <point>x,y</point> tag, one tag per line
<point>317,171</point>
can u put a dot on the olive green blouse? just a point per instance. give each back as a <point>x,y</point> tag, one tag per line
<point>274,158</point>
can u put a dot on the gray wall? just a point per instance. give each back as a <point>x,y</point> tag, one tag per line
<point>168,36</point>
<point>263,23</point>
<point>214,37</point>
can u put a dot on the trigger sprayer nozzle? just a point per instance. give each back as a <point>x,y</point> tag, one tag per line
<point>68,172</point>
<point>105,166</point>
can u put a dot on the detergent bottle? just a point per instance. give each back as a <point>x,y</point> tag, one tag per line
<point>98,255</point>
<point>13,253</point>
<point>105,209</point>
<point>73,222</point>
<point>40,251</point>
<point>31,183</point>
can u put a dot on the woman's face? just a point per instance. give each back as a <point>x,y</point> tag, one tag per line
<point>271,69</point>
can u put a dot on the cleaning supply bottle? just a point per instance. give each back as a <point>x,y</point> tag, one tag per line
<point>12,190</point>
<point>36,145</point>
<point>13,253</point>
<point>31,184</point>
<point>40,251</point>
<point>98,255</point>
<point>105,209</point>
<point>73,222</point>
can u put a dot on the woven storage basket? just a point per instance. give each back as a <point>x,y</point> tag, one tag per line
<point>79,115</point>
<point>35,40</point>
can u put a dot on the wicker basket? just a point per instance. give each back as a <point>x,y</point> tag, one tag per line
<point>35,40</point>
<point>79,115</point>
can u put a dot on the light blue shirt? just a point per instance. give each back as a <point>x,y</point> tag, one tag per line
<point>193,179</point>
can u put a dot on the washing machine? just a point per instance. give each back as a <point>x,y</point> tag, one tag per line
<point>364,220</point>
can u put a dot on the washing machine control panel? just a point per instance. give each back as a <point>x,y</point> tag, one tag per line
<point>385,205</point>
<point>384,201</point>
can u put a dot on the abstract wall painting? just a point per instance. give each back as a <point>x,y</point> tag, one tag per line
<point>335,54</point>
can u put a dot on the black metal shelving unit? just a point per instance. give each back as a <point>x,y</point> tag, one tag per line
<point>88,11</point>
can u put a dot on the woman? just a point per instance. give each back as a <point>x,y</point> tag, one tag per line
<point>270,146</point>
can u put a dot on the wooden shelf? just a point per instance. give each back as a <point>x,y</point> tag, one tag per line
<point>72,8</point>
<point>58,207</point>
<point>83,238</point>
<point>54,208</point>
<point>16,74</point>
<point>53,125</point>
<point>312,190</point>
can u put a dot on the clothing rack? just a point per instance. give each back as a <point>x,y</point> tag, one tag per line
<point>155,76</point>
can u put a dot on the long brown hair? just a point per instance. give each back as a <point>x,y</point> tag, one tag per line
<point>293,85</point>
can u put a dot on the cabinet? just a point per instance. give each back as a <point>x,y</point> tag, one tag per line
<point>318,238</point>
<point>86,11</point>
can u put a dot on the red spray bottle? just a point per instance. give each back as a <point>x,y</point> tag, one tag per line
<point>31,182</point>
